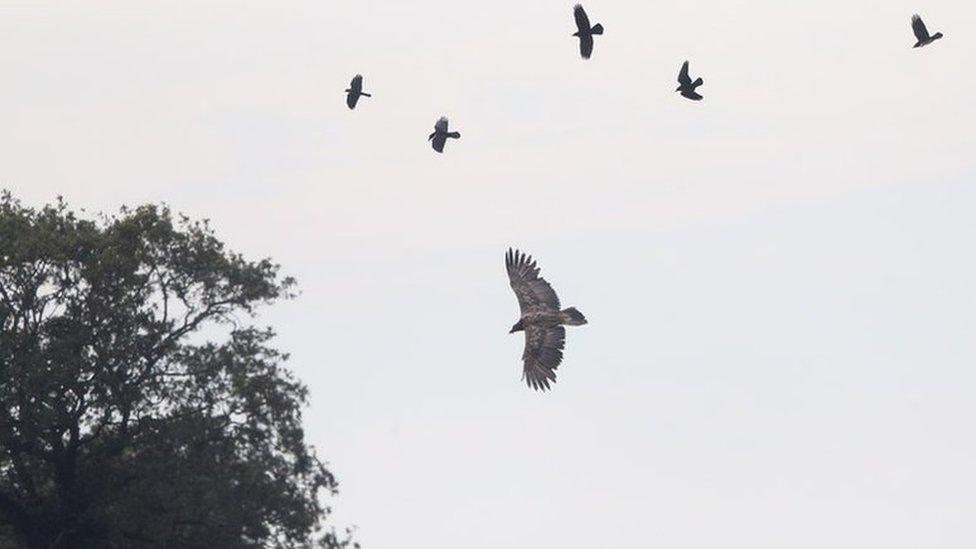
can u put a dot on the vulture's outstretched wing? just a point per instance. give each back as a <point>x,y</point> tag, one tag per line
<point>542,355</point>
<point>683,77</point>
<point>532,291</point>
<point>582,21</point>
<point>918,27</point>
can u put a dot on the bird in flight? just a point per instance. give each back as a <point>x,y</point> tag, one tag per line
<point>922,33</point>
<point>585,32</point>
<point>354,91</point>
<point>540,318</point>
<point>440,135</point>
<point>686,86</point>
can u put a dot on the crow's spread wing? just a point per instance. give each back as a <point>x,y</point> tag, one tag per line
<point>586,45</point>
<point>437,141</point>
<point>918,27</point>
<point>582,21</point>
<point>441,125</point>
<point>355,87</point>
<point>683,77</point>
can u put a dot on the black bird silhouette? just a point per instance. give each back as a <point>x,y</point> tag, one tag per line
<point>541,320</point>
<point>585,32</point>
<point>922,33</point>
<point>355,90</point>
<point>687,87</point>
<point>440,135</point>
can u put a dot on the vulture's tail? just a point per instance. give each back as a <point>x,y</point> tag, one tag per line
<point>572,317</point>
<point>597,29</point>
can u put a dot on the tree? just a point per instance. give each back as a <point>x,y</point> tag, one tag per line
<point>7,538</point>
<point>138,406</point>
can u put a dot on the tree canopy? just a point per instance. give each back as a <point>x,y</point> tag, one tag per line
<point>139,405</point>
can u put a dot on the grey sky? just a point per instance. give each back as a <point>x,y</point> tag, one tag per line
<point>779,279</point>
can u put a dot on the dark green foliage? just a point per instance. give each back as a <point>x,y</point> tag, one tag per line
<point>121,424</point>
<point>8,540</point>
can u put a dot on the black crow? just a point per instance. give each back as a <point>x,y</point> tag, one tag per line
<point>922,33</point>
<point>440,135</point>
<point>687,87</point>
<point>355,90</point>
<point>540,318</point>
<point>585,32</point>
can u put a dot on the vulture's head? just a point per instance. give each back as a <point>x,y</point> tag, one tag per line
<point>517,328</point>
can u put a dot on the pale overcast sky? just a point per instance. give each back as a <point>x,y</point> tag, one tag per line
<point>779,279</point>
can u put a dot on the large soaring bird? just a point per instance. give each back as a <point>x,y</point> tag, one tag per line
<point>540,318</point>
<point>584,31</point>
<point>686,86</point>
<point>354,91</point>
<point>922,33</point>
<point>440,135</point>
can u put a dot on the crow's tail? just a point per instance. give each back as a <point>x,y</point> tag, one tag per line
<point>364,94</point>
<point>698,82</point>
<point>572,317</point>
<point>455,135</point>
<point>597,29</point>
